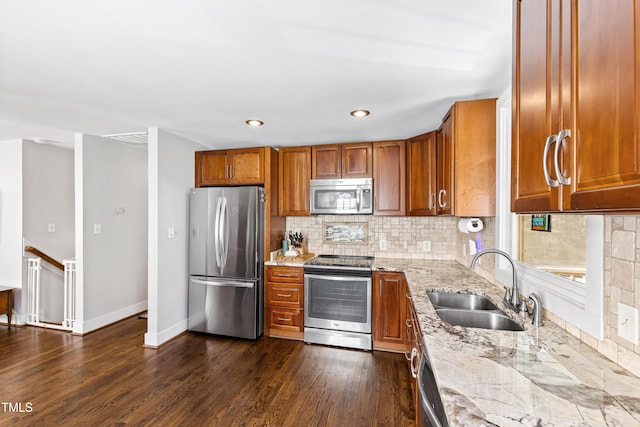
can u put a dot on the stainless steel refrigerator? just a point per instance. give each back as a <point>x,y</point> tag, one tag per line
<point>226,261</point>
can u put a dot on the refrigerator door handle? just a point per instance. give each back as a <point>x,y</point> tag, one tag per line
<point>224,231</point>
<point>217,237</point>
<point>224,283</point>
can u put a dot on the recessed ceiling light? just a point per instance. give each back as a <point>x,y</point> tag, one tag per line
<point>360,113</point>
<point>254,122</point>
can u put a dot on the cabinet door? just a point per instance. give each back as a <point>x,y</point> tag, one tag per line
<point>536,107</point>
<point>293,186</point>
<point>389,162</point>
<point>604,145</point>
<point>444,167</point>
<point>246,166</point>
<point>211,168</point>
<point>421,175</point>
<point>327,161</point>
<point>390,311</point>
<point>357,160</point>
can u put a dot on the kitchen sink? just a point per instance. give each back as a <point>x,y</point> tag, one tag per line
<point>460,301</point>
<point>484,319</point>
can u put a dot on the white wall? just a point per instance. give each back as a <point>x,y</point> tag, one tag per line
<point>111,190</point>
<point>11,216</point>
<point>171,176</point>
<point>48,198</point>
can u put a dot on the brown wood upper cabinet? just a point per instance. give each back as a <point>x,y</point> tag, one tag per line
<point>421,175</point>
<point>230,167</point>
<point>294,183</point>
<point>466,160</point>
<point>389,311</point>
<point>336,161</point>
<point>389,162</point>
<point>575,144</point>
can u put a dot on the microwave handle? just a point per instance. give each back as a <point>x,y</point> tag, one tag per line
<point>358,198</point>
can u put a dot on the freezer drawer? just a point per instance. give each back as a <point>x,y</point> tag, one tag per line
<point>225,307</point>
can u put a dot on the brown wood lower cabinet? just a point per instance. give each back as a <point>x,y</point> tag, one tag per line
<point>284,302</point>
<point>414,340</point>
<point>389,311</point>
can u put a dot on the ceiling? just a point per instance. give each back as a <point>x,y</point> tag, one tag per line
<point>200,68</point>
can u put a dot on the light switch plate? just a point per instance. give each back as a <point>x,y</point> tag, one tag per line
<point>472,247</point>
<point>628,323</point>
<point>51,227</point>
<point>97,228</point>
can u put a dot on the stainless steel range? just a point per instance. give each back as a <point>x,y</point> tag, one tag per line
<point>337,301</point>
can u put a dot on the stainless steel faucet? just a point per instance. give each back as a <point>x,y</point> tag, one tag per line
<point>512,296</point>
<point>536,312</point>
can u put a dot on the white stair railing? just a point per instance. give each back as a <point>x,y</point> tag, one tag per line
<point>69,293</point>
<point>33,289</point>
<point>34,267</point>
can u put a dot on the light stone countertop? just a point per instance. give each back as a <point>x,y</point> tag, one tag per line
<point>540,377</point>
<point>288,261</point>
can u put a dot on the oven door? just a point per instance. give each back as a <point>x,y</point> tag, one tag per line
<point>337,302</point>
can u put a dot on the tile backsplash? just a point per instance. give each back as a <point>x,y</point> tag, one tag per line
<point>387,237</point>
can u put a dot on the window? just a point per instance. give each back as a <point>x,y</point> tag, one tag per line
<point>554,243</point>
<point>579,303</point>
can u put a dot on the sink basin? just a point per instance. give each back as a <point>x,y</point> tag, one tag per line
<point>460,301</point>
<point>479,319</point>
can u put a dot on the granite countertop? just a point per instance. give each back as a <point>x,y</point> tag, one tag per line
<point>290,261</point>
<point>540,377</point>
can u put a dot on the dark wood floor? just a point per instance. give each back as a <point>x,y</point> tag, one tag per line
<point>107,378</point>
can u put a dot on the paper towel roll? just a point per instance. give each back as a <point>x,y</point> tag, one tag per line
<point>473,225</point>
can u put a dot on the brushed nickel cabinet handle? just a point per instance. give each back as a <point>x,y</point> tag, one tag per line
<point>284,319</point>
<point>441,195</point>
<point>562,136</point>
<point>284,295</point>
<point>551,139</point>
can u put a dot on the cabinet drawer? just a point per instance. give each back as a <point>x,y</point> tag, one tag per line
<point>284,295</point>
<point>290,319</point>
<point>284,274</point>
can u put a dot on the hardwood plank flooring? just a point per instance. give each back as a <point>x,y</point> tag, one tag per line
<point>50,377</point>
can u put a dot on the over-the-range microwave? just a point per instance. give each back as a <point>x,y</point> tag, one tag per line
<point>353,196</point>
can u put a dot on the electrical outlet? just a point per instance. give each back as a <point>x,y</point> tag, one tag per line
<point>426,246</point>
<point>628,323</point>
<point>97,228</point>
<point>383,245</point>
<point>472,247</point>
<point>405,245</point>
<point>51,228</point>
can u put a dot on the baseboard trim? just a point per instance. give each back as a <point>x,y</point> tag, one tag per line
<point>82,328</point>
<point>155,340</point>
